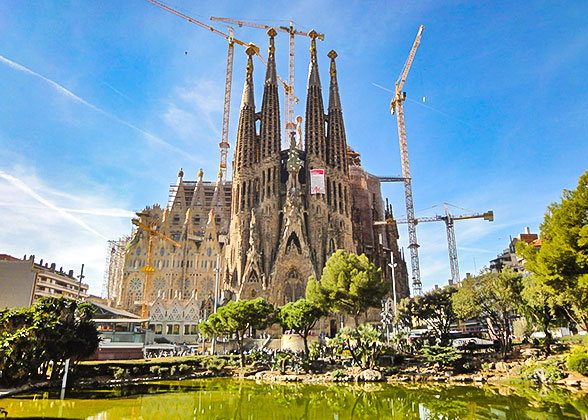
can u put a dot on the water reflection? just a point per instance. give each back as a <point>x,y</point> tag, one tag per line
<point>233,399</point>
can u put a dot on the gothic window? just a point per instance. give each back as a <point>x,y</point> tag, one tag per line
<point>253,278</point>
<point>293,274</point>
<point>293,244</point>
<point>139,251</point>
<point>332,247</point>
<point>299,291</point>
<point>253,293</point>
<point>208,251</point>
<point>176,218</point>
<point>287,293</point>
<point>161,251</point>
<point>158,286</point>
<point>135,294</point>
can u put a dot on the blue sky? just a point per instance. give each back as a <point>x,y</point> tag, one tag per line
<point>103,101</point>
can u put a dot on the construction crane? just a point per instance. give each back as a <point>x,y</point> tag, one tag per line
<point>396,108</point>
<point>449,220</point>
<point>290,98</point>
<point>224,143</point>
<point>148,269</point>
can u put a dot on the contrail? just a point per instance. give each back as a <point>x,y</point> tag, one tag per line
<point>93,212</point>
<point>26,189</point>
<point>77,99</point>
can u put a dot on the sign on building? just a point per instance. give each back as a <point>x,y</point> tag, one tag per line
<point>317,181</point>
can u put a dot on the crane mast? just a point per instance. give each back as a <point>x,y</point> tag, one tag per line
<point>224,143</point>
<point>396,107</point>
<point>290,98</point>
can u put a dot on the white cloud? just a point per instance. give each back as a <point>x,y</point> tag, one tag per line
<point>51,231</point>
<point>189,107</point>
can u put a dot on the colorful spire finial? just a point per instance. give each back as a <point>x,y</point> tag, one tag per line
<point>272,33</point>
<point>333,69</point>
<point>313,36</point>
<point>250,51</point>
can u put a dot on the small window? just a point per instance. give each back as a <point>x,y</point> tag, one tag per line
<point>158,328</point>
<point>139,251</point>
<point>162,252</point>
<point>176,329</point>
<point>208,251</point>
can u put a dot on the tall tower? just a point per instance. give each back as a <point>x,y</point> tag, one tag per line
<point>256,186</point>
<point>244,188</point>
<point>337,174</point>
<point>316,151</point>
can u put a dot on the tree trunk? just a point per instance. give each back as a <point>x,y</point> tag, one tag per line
<point>305,340</point>
<point>547,343</point>
<point>357,362</point>
<point>242,356</point>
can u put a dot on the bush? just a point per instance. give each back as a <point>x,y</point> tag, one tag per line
<point>154,370</point>
<point>392,370</point>
<point>163,372</point>
<point>444,356</point>
<point>173,370</point>
<point>120,373</point>
<point>214,364</point>
<point>547,372</point>
<point>183,368</point>
<point>135,370</point>
<point>338,374</point>
<point>578,360</point>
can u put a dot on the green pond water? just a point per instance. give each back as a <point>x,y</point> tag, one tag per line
<point>243,399</point>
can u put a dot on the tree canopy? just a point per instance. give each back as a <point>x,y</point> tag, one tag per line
<point>350,284</point>
<point>434,308</point>
<point>237,318</point>
<point>492,297</point>
<point>52,330</point>
<point>561,262</point>
<point>300,316</point>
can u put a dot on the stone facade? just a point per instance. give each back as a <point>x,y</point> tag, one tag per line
<point>269,226</point>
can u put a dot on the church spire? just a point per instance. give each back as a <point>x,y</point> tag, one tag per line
<point>245,148</point>
<point>337,144</point>
<point>270,105</point>
<point>315,112</point>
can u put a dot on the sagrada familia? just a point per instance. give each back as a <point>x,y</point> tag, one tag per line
<point>285,211</point>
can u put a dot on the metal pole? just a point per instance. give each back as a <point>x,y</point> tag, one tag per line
<point>217,271</point>
<point>64,381</point>
<point>81,276</point>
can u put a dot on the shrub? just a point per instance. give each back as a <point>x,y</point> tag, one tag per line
<point>392,370</point>
<point>214,364</point>
<point>120,373</point>
<point>338,374</point>
<point>135,370</point>
<point>154,370</point>
<point>183,368</point>
<point>173,370</point>
<point>444,356</point>
<point>547,372</point>
<point>578,360</point>
<point>163,372</point>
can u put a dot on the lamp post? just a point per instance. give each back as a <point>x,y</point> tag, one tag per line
<point>392,266</point>
<point>217,271</point>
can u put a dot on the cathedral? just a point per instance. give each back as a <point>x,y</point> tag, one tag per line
<point>285,211</point>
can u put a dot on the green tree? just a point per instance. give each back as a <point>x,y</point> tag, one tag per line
<point>237,318</point>
<point>364,343</point>
<point>350,284</point>
<point>562,260</point>
<point>53,330</point>
<point>434,308</point>
<point>300,316</point>
<point>493,298</point>
<point>540,304</point>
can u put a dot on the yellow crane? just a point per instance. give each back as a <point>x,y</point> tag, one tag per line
<point>224,143</point>
<point>449,220</point>
<point>148,269</point>
<point>396,108</point>
<point>290,98</point>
